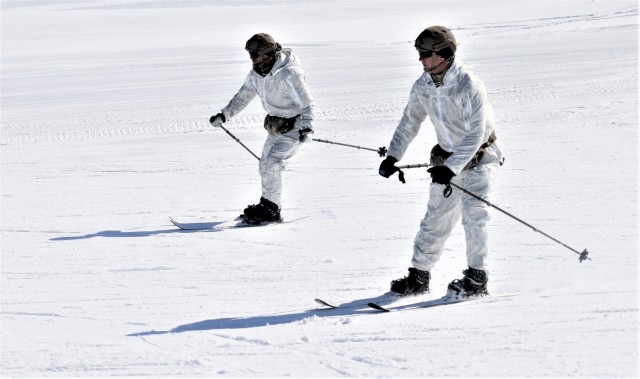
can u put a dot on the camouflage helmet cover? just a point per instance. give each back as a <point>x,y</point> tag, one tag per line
<point>436,38</point>
<point>262,43</point>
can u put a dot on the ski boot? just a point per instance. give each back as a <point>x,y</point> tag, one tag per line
<point>472,284</point>
<point>249,210</point>
<point>264,211</point>
<point>415,283</point>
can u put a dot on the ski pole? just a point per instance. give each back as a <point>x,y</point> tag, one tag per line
<point>382,151</point>
<point>415,165</point>
<point>238,141</point>
<point>401,173</point>
<point>582,255</point>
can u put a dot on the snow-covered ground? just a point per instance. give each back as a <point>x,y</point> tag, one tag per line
<point>105,135</point>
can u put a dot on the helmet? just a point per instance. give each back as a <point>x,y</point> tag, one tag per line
<point>262,43</point>
<point>437,38</point>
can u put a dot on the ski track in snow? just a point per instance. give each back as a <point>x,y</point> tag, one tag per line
<point>105,135</point>
<point>125,125</point>
<point>119,125</point>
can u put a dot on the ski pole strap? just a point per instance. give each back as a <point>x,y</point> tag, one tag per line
<point>401,176</point>
<point>447,190</point>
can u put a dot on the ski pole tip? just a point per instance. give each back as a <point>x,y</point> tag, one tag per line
<point>583,256</point>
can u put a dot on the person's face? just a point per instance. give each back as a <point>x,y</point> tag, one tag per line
<point>257,59</point>
<point>430,61</point>
<point>261,63</point>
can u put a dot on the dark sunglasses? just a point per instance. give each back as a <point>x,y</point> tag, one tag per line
<point>425,53</point>
<point>253,55</point>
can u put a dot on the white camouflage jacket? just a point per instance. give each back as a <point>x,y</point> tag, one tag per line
<point>283,92</point>
<point>459,111</point>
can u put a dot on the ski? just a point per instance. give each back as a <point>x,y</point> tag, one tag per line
<point>445,300</point>
<point>428,304</point>
<point>222,225</point>
<point>326,304</point>
<point>385,299</point>
<point>213,225</point>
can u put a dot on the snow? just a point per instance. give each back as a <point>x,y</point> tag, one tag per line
<point>105,136</point>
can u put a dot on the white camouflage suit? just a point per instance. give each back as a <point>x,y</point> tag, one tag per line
<point>463,120</point>
<point>283,93</point>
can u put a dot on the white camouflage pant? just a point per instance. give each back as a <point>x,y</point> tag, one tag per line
<point>277,150</point>
<point>443,214</point>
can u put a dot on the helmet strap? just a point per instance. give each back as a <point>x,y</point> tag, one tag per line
<point>446,61</point>
<point>439,78</point>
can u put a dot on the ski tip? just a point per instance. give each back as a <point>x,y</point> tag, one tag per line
<point>378,307</point>
<point>322,302</point>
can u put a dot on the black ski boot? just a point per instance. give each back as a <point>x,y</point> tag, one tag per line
<point>249,210</point>
<point>254,209</point>
<point>264,211</point>
<point>415,283</point>
<point>473,284</point>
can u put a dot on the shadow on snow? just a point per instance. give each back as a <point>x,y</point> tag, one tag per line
<point>356,307</point>
<point>121,234</point>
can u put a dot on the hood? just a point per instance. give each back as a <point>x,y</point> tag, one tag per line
<point>286,59</point>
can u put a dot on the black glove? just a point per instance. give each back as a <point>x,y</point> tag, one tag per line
<point>387,167</point>
<point>441,174</point>
<point>218,119</point>
<point>304,135</point>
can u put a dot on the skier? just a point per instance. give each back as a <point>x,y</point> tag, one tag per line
<point>456,102</point>
<point>280,82</point>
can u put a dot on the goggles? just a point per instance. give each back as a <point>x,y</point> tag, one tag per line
<point>425,53</point>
